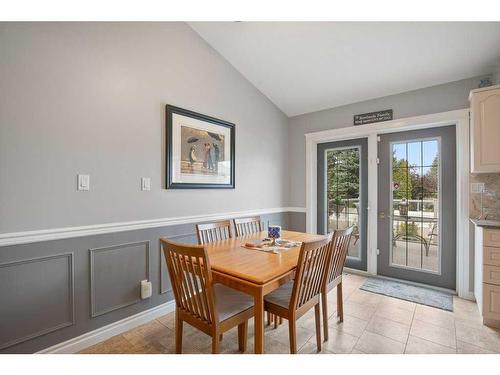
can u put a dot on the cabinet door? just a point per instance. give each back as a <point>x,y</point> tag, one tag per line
<point>491,301</point>
<point>485,126</point>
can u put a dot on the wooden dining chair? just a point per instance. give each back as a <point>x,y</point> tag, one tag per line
<point>339,247</point>
<point>295,298</point>
<point>247,225</point>
<point>210,232</point>
<point>212,308</point>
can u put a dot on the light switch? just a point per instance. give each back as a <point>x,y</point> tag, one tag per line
<point>146,183</point>
<point>83,182</point>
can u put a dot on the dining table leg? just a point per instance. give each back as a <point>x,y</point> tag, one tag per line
<point>259,322</point>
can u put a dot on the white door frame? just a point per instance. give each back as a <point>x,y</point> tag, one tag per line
<point>459,118</point>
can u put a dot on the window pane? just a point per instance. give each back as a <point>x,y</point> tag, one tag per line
<point>430,152</point>
<point>415,153</point>
<point>399,152</point>
<point>399,242</point>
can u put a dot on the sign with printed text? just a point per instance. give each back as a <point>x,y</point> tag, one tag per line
<point>368,118</point>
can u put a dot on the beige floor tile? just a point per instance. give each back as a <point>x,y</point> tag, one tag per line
<point>193,341</point>
<point>466,348</point>
<point>137,334</point>
<point>437,317</point>
<point>275,347</point>
<point>358,310</point>
<point>365,298</point>
<point>356,351</point>
<point>281,334</point>
<point>395,313</point>
<point>168,320</point>
<point>479,335</point>
<point>388,328</point>
<point>416,345</point>
<point>374,343</point>
<point>351,325</point>
<point>431,332</point>
<point>388,302</point>
<point>353,279</point>
<point>310,348</point>
<point>464,305</point>
<point>308,321</point>
<point>466,311</point>
<point>338,342</point>
<point>114,345</point>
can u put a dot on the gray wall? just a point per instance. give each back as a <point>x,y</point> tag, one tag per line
<point>90,98</point>
<point>425,101</point>
<point>55,290</point>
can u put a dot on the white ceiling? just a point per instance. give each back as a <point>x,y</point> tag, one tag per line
<point>309,66</point>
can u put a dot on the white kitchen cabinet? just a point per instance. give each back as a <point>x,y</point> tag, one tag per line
<point>485,129</point>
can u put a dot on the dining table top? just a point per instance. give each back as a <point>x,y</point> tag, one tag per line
<point>256,266</point>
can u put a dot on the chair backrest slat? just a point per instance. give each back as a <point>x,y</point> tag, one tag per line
<point>311,268</point>
<point>247,225</point>
<point>190,275</point>
<point>340,247</point>
<point>211,232</point>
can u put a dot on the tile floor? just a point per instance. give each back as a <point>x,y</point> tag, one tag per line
<point>372,324</point>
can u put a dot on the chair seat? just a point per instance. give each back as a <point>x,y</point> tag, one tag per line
<point>230,302</point>
<point>281,296</point>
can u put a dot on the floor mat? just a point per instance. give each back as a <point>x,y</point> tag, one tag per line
<point>417,294</point>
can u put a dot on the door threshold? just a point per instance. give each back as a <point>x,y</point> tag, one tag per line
<point>445,290</point>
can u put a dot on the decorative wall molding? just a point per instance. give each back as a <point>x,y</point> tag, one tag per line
<point>93,311</point>
<point>163,268</point>
<point>81,342</point>
<point>71,298</point>
<point>17,238</point>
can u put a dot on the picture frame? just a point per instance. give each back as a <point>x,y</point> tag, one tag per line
<point>200,151</point>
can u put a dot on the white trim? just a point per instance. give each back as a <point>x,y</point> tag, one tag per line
<point>81,342</point>
<point>459,118</point>
<point>17,238</point>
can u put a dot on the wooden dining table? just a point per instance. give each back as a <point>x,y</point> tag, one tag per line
<point>255,272</point>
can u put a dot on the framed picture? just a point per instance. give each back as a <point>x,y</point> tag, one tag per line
<point>200,151</point>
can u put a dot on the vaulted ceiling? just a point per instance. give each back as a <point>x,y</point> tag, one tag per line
<point>309,66</point>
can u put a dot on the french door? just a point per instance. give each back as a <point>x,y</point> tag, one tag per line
<point>342,194</point>
<point>417,206</point>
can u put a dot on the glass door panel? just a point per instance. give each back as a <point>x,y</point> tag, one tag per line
<point>342,194</point>
<point>343,191</point>
<point>415,199</point>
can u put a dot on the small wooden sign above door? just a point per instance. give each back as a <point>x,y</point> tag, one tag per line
<point>368,118</point>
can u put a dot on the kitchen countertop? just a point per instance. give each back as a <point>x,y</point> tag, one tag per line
<point>486,223</point>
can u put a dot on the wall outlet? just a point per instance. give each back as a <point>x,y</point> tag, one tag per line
<point>146,183</point>
<point>146,289</point>
<point>477,187</point>
<point>83,183</point>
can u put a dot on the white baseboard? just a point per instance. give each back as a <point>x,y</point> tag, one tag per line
<point>81,342</point>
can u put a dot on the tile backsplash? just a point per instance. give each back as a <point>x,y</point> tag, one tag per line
<point>491,195</point>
